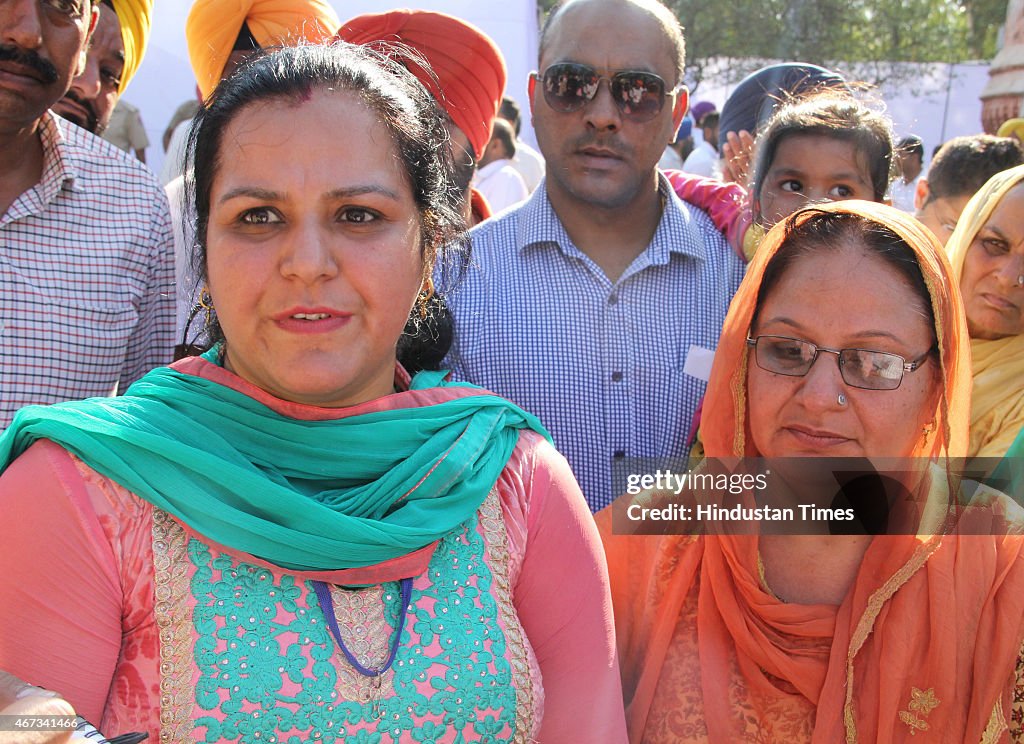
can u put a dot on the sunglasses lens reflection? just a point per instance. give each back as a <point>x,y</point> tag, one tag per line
<point>638,95</point>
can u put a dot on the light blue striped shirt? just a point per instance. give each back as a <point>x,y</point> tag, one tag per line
<point>600,363</point>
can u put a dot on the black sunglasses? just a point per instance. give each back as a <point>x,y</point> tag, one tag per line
<point>569,86</point>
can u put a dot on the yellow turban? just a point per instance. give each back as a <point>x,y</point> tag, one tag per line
<point>1012,128</point>
<point>136,20</point>
<point>213,27</point>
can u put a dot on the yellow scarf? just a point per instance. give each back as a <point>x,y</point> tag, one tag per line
<point>997,399</point>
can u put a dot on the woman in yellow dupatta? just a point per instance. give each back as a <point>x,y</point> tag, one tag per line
<point>829,638</point>
<point>987,253</point>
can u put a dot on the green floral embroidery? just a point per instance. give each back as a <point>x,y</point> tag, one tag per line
<point>266,659</point>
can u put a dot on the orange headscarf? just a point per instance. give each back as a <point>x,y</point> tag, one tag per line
<point>927,637</point>
<point>213,26</point>
<point>467,75</point>
<point>724,428</point>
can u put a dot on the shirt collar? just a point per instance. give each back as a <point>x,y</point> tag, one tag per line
<point>676,232</point>
<point>57,170</point>
<point>58,165</point>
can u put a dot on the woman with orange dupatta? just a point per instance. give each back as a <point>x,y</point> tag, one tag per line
<point>846,339</point>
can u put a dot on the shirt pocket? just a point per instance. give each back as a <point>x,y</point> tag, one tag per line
<point>81,340</point>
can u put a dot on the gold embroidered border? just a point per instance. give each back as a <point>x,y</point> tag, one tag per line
<point>171,588</point>
<point>996,724</point>
<point>739,390</point>
<point>867,621</point>
<point>997,721</point>
<point>528,704</point>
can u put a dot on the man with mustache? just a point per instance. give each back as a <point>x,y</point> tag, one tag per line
<point>86,270</point>
<point>92,96</point>
<point>596,305</point>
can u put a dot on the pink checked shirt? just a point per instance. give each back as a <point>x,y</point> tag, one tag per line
<point>86,275</point>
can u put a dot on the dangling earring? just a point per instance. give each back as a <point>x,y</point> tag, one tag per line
<point>206,304</point>
<point>423,299</point>
<point>191,344</point>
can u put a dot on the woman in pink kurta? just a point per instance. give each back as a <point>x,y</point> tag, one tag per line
<point>287,539</point>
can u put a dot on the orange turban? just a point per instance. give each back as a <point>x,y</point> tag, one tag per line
<point>213,25</point>
<point>469,67</point>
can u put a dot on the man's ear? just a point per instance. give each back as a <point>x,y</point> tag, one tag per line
<point>681,107</point>
<point>531,86</point>
<point>94,17</point>
<point>921,193</point>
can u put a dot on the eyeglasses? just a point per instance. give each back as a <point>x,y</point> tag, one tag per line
<point>860,368</point>
<point>569,86</point>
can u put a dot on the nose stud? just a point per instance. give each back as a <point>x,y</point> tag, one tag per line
<point>841,400</point>
<point>1020,280</point>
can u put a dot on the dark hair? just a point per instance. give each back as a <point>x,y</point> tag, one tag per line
<point>837,116</point>
<point>290,75</point>
<point>668,21</point>
<point>511,113</point>
<point>827,230</point>
<point>245,41</point>
<point>504,133</point>
<point>964,164</point>
<point>911,145</point>
<point>710,120</point>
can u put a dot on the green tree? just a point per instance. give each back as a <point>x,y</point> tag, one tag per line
<point>882,33</point>
<point>984,17</point>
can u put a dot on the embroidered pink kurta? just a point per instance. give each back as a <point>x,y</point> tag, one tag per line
<point>145,626</point>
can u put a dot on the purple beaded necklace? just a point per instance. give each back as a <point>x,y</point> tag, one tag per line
<point>323,595</point>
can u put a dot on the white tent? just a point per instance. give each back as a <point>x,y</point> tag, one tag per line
<point>165,78</point>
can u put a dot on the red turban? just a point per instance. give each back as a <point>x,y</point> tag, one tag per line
<point>469,67</point>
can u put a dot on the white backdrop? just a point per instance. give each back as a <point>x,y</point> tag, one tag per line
<point>165,78</point>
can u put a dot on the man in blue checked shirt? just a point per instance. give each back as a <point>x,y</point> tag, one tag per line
<point>597,304</point>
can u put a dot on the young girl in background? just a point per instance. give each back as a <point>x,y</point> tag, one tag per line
<point>827,147</point>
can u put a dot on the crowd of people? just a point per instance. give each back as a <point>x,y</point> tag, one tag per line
<point>324,440</point>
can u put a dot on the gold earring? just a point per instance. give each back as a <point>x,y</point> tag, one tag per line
<point>424,297</point>
<point>206,303</point>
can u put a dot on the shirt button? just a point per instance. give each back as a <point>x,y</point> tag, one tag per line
<point>619,454</point>
<point>613,298</point>
<point>616,377</point>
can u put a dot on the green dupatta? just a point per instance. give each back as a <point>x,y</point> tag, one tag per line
<point>304,495</point>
